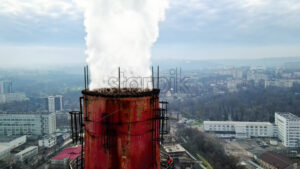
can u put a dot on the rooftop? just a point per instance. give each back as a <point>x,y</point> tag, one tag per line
<point>25,113</point>
<point>70,153</point>
<point>276,160</point>
<point>9,138</point>
<point>27,150</point>
<point>288,115</point>
<point>4,148</point>
<point>238,122</point>
<point>177,148</point>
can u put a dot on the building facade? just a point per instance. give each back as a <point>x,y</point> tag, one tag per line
<point>4,151</point>
<point>55,103</point>
<point>27,153</point>
<point>7,95</point>
<point>51,104</point>
<point>288,128</point>
<point>27,124</point>
<point>13,142</point>
<point>234,129</point>
<point>48,142</point>
<point>5,87</point>
<point>12,97</point>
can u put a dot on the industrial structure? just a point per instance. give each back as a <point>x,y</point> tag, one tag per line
<point>120,128</point>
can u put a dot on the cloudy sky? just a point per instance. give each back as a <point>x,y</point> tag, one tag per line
<point>47,31</point>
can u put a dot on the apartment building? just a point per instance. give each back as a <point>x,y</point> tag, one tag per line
<point>235,129</point>
<point>288,128</point>
<point>27,123</point>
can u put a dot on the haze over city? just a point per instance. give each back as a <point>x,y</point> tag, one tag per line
<point>149,84</point>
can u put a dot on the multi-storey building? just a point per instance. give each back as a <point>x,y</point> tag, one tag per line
<point>55,103</point>
<point>48,141</point>
<point>234,129</point>
<point>58,103</point>
<point>13,141</point>
<point>51,104</point>
<point>9,143</point>
<point>4,151</point>
<point>283,83</point>
<point>12,97</point>
<point>27,153</point>
<point>288,128</point>
<point>5,87</point>
<point>7,95</point>
<point>27,123</point>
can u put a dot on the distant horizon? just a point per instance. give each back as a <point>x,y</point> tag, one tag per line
<point>172,63</point>
<point>53,31</point>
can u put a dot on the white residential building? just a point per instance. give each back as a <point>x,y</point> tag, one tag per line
<point>27,153</point>
<point>283,83</point>
<point>7,95</point>
<point>55,103</point>
<point>27,123</point>
<point>288,128</point>
<point>234,129</point>
<point>257,76</point>
<point>13,97</point>
<point>5,86</point>
<point>9,143</point>
<point>4,151</point>
<point>48,142</point>
<point>13,142</point>
<point>51,104</point>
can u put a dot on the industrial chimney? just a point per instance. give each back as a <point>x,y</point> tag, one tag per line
<point>120,128</point>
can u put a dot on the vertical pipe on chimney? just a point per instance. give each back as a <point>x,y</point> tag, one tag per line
<point>157,77</point>
<point>152,78</point>
<point>119,103</point>
<point>87,77</point>
<point>119,80</point>
<point>84,78</point>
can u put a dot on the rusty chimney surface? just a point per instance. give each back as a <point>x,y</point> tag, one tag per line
<point>121,128</point>
<point>122,92</point>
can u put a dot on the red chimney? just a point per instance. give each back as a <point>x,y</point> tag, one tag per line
<point>121,129</point>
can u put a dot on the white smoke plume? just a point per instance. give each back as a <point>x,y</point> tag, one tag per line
<point>120,33</point>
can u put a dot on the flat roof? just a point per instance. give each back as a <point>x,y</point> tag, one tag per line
<point>27,149</point>
<point>4,148</point>
<point>176,148</point>
<point>238,122</point>
<point>288,115</point>
<point>9,138</point>
<point>25,113</point>
<point>70,153</point>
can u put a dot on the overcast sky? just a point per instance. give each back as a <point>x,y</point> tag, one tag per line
<point>48,31</point>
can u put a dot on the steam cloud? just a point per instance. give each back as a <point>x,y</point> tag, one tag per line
<point>120,33</point>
